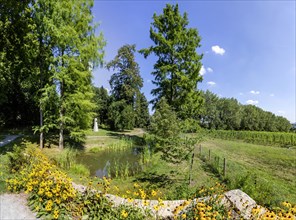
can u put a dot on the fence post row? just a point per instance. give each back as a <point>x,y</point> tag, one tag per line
<point>217,160</point>
<point>224,167</point>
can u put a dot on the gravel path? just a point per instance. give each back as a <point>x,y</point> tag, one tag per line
<point>8,139</point>
<point>14,207</point>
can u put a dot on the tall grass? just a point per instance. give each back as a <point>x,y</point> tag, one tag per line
<point>266,174</point>
<point>123,170</point>
<point>66,160</point>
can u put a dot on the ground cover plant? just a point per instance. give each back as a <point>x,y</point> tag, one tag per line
<point>267,174</point>
<point>159,181</point>
<point>51,193</point>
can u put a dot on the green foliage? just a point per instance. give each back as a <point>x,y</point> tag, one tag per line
<point>66,158</point>
<point>102,101</point>
<point>165,135</point>
<point>257,137</point>
<point>177,69</point>
<point>164,122</point>
<point>126,82</point>
<point>142,117</point>
<point>52,195</point>
<point>80,169</point>
<point>224,113</point>
<point>18,49</point>
<point>128,105</point>
<point>121,116</point>
<point>17,159</point>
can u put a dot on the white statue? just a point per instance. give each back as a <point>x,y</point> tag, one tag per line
<point>96,129</point>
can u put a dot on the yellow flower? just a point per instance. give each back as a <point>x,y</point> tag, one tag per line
<point>153,193</point>
<point>136,185</point>
<point>130,200</point>
<point>41,191</point>
<point>48,194</point>
<point>64,196</point>
<point>124,214</point>
<point>58,201</point>
<point>209,208</point>
<point>55,216</point>
<point>48,208</point>
<point>183,216</point>
<point>156,207</point>
<point>145,202</point>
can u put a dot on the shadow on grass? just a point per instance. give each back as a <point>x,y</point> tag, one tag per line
<point>50,141</point>
<point>152,178</point>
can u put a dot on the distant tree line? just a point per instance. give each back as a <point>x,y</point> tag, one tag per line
<point>229,114</point>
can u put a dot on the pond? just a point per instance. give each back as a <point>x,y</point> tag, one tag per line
<point>112,162</point>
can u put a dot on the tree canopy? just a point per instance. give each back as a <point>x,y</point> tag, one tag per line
<point>177,69</point>
<point>128,103</point>
<point>229,114</point>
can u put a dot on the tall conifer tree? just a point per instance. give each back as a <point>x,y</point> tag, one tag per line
<point>177,69</point>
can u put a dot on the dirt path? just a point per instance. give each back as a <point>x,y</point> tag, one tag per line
<point>14,207</point>
<point>8,139</point>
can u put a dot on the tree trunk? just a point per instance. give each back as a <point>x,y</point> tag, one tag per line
<point>41,132</point>
<point>61,140</point>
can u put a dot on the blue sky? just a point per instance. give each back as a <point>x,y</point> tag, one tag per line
<point>248,46</point>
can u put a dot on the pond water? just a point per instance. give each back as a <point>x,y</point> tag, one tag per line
<point>112,163</point>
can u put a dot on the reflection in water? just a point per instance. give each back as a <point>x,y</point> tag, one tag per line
<point>104,171</point>
<point>113,163</point>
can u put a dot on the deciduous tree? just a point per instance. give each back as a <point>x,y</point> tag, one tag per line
<point>125,84</point>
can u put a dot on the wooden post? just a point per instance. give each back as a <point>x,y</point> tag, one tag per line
<point>224,167</point>
<point>209,155</point>
<point>200,150</point>
<point>190,171</point>
<point>218,160</point>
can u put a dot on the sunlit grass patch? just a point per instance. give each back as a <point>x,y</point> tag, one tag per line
<point>266,173</point>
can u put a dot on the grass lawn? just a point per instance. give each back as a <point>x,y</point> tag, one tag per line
<point>264,172</point>
<point>267,174</point>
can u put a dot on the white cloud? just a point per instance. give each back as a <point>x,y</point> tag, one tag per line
<point>255,92</point>
<point>271,95</point>
<point>209,69</point>
<point>241,93</point>
<point>211,83</point>
<point>148,80</point>
<point>281,112</point>
<point>202,70</point>
<point>252,102</point>
<point>218,50</point>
